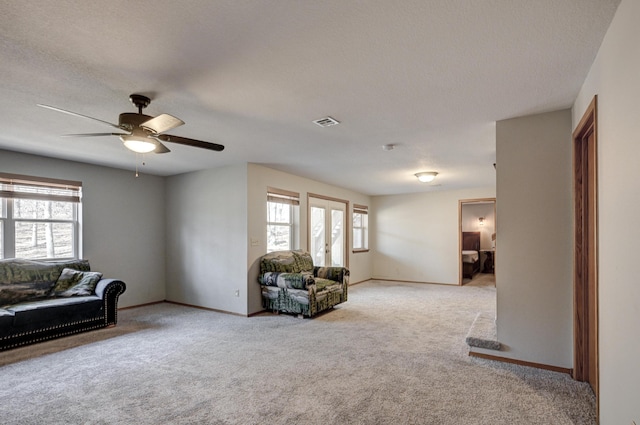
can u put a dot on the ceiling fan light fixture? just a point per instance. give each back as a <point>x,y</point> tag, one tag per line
<point>138,144</point>
<point>426,176</point>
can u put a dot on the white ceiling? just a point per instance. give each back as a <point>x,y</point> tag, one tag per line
<point>430,76</point>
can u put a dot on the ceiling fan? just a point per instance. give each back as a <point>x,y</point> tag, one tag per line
<point>143,133</point>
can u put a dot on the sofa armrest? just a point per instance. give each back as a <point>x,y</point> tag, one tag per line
<point>109,290</point>
<point>287,280</point>
<point>110,287</point>
<point>338,274</point>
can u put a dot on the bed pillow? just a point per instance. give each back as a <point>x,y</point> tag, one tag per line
<point>75,283</point>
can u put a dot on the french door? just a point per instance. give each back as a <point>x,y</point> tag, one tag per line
<point>327,221</point>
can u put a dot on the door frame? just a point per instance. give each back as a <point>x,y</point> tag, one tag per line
<point>586,248</point>
<point>347,220</point>
<point>495,226</point>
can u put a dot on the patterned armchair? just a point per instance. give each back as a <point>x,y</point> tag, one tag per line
<point>290,283</point>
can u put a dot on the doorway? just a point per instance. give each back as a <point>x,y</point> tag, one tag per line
<point>477,239</point>
<point>585,276</point>
<point>327,231</point>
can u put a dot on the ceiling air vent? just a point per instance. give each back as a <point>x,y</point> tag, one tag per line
<point>326,122</point>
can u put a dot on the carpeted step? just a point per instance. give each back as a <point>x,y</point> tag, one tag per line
<point>483,332</point>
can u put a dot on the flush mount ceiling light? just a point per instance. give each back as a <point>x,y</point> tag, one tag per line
<point>388,147</point>
<point>426,176</point>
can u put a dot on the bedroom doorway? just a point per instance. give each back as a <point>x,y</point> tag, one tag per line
<point>585,275</point>
<point>477,240</point>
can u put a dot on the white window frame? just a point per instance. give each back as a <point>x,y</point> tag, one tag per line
<point>15,187</point>
<point>285,199</point>
<point>363,245</point>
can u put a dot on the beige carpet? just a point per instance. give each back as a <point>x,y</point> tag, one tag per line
<point>395,353</point>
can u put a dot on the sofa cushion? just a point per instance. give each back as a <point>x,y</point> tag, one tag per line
<point>75,283</point>
<point>287,280</point>
<point>58,310</point>
<point>324,283</point>
<point>25,280</point>
<point>286,262</point>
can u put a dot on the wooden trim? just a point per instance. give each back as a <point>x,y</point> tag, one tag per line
<point>520,362</point>
<point>326,198</point>
<point>585,273</point>
<point>184,305</point>
<point>140,305</point>
<point>362,281</point>
<point>413,281</point>
<point>205,308</point>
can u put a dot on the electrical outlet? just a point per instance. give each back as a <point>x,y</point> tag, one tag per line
<point>237,292</point>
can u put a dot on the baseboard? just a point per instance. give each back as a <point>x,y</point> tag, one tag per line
<point>362,281</point>
<point>205,308</point>
<point>521,362</point>
<point>183,304</point>
<point>140,305</point>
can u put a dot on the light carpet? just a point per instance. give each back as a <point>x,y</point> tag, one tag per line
<point>395,353</point>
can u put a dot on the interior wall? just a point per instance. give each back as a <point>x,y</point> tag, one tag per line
<point>615,78</point>
<point>534,267</point>
<point>123,221</point>
<point>416,235</point>
<point>207,238</point>
<point>471,212</point>
<point>259,178</point>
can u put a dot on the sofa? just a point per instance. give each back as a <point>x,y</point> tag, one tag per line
<point>44,300</point>
<point>290,283</point>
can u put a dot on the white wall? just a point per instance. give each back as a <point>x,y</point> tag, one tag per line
<point>123,221</point>
<point>471,212</point>
<point>534,259</point>
<point>259,178</point>
<point>416,235</point>
<point>615,78</point>
<point>207,238</point>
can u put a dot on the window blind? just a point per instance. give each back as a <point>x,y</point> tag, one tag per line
<point>283,196</point>
<point>17,186</point>
<point>360,209</point>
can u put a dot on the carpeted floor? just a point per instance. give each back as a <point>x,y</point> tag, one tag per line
<point>395,353</point>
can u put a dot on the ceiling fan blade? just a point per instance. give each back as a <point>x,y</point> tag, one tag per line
<point>64,111</point>
<point>190,142</point>
<point>162,123</point>
<point>94,134</point>
<point>160,148</point>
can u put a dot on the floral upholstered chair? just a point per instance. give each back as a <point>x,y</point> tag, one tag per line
<point>292,284</point>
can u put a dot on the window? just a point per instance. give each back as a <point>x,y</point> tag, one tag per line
<point>360,228</point>
<point>282,218</point>
<point>39,217</point>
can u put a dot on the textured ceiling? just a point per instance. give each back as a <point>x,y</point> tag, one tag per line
<point>431,77</point>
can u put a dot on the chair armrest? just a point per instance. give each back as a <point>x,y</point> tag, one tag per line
<point>287,280</point>
<point>338,274</point>
<point>110,287</point>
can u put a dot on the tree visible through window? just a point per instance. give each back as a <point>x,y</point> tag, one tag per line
<point>39,217</point>
<point>282,218</point>
<point>360,228</point>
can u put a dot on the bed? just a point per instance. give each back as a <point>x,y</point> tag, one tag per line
<point>470,254</point>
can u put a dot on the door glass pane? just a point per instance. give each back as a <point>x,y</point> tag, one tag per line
<point>337,237</point>
<point>317,236</point>
<point>44,240</point>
